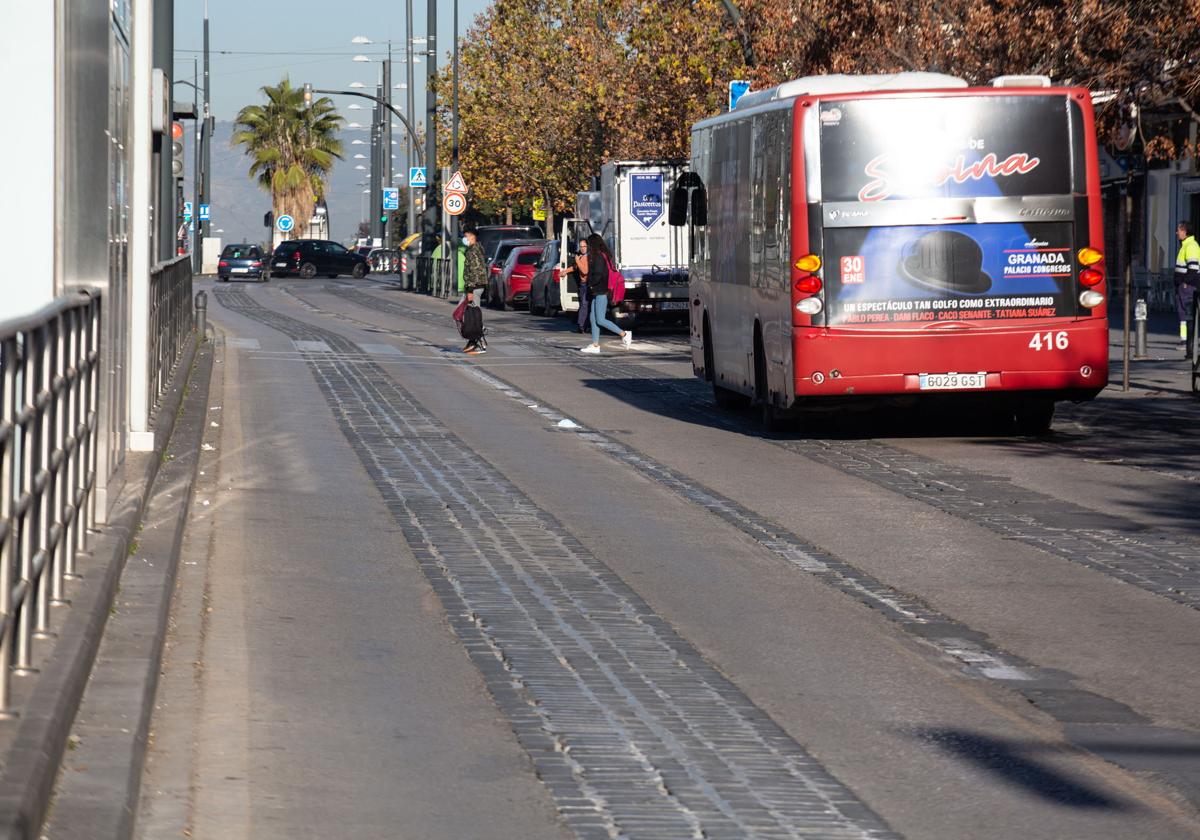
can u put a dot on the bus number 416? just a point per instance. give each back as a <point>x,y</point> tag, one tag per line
<point>1050,341</point>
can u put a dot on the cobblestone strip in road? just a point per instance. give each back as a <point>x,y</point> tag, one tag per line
<point>1166,566</point>
<point>634,734</point>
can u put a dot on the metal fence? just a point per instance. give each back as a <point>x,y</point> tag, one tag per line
<point>436,276</point>
<point>170,321</point>
<point>49,371</point>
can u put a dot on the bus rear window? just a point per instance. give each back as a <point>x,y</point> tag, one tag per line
<point>889,149</point>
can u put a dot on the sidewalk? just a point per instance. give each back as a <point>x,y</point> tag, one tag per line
<point>1164,372</point>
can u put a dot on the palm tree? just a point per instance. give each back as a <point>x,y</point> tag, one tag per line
<point>292,147</point>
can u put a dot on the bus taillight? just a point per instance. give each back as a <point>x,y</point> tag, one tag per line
<point>1090,277</point>
<point>1089,256</point>
<point>810,285</point>
<point>809,263</point>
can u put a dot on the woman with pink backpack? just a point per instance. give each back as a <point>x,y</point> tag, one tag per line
<point>603,280</point>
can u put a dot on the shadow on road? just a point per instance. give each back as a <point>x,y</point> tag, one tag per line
<point>1011,763</point>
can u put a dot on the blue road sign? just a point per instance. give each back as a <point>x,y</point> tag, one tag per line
<point>204,212</point>
<point>391,198</point>
<point>416,176</point>
<point>737,88</point>
<point>285,223</point>
<point>187,210</point>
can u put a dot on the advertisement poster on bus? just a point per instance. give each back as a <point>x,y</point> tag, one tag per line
<point>913,274</point>
<point>891,166</point>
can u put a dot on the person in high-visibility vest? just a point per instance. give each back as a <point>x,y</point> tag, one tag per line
<point>1187,275</point>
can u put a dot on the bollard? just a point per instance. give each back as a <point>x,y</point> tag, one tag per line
<point>201,314</point>
<point>1139,318</point>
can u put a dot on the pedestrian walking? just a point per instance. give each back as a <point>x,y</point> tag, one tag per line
<point>468,313</point>
<point>580,270</point>
<point>600,264</point>
<point>1187,276</point>
<point>474,265</point>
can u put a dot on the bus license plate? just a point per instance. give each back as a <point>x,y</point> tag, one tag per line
<point>673,304</point>
<point>952,381</point>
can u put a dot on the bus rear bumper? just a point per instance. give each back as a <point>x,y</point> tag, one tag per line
<point>1071,364</point>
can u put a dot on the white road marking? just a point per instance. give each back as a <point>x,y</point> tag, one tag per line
<point>381,350</point>
<point>311,346</point>
<point>243,343</point>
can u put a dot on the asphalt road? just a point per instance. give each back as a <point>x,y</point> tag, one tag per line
<point>539,594</point>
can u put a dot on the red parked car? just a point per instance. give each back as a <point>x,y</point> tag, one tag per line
<point>511,286</point>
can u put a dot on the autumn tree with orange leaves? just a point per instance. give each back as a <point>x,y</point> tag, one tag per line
<point>1141,57</point>
<point>550,89</point>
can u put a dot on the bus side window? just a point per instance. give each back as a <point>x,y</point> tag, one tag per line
<point>759,152</point>
<point>771,200</point>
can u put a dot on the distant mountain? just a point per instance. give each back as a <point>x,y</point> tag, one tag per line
<point>238,204</point>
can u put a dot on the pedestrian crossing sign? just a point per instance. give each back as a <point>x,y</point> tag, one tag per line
<point>416,176</point>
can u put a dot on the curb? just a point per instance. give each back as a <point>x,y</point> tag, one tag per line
<point>98,789</point>
<point>31,765</point>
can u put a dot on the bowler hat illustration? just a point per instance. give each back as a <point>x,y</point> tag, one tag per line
<point>946,261</point>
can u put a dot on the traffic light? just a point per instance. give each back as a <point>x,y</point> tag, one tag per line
<point>177,149</point>
<point>269,218</point>
<point>383,218</point>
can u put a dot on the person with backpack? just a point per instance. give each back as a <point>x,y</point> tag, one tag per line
<point>603,279</point>
<point>474,264</point>
<point>467,314</point>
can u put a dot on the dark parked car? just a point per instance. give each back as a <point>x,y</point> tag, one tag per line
<point>244,260</point>
<point>512,284</point>
<point>543,286</point>
<point>490,236</point>
<point>310,257</point>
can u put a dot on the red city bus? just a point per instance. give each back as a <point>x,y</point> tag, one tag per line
<point>902,235</point>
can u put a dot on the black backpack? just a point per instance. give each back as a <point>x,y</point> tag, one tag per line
<point>472,323</point>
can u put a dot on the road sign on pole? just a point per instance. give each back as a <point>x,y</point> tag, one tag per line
<point>187,210</point>
<point>416,176</point>
<point>285,223</point>
<point>455,184</point>
<point>391,198</point>
<point>737,89</point>
<point>454,203</point>
<point>205,212</point>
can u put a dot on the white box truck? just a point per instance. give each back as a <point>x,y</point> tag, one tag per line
<point>630,211</point>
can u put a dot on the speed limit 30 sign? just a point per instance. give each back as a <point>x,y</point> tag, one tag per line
<point>454,203</point>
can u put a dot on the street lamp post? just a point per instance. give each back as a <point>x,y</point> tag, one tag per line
<point>432,176</point>
<point>202,227</point>
<point>454,120</point>
<point>412,138</point>
<point>194,222</point>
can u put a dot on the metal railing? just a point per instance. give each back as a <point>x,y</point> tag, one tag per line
<point>170,321</point>
<point>442,280</point>
<point>1157,288</point>
<point>49,371</point>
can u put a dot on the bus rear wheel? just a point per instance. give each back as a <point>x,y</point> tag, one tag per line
<point>1034,416</point>
<point>773,420</point>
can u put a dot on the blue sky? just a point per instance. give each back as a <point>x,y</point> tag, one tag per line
<point>308,40</point>
<point>253,43</point>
